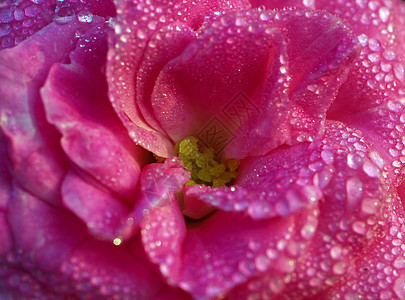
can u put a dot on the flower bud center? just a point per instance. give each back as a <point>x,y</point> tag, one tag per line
<point>202,165</point>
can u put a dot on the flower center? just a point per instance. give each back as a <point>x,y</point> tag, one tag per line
<point>200,161</point>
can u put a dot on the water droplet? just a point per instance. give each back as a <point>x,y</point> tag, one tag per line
<point>359,227</point>
<point>354,191</point>
<point>374,57</point>
<point>63,20</point>
<point>370,205</point>
<point>384,14</point>
<point>399,287</point>
<point>354,161</point>
<point>309,3</point>
<point>371,169</point>
<point>389,54</point>
<point>399,71</point>
<point>85,16</point>
<point>262,263</point>
<point>32,11</point>
<point>4,29</point>
<point>141,34</point>
<point>339,268</point>
<point>363,39</point>
<point>374,45</point>
<point>308,231</point>
<point>6,15</point>
<point>399,262</point>
<point>336,252</point>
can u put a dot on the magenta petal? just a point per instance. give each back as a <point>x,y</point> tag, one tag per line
<point>353,196</point>
<point>384,127</point>
<point>158,187</point>
<point>102,212</point>
<point>34,151</point>
<point>158,53</point>
<point>275,98</point>
<point>54,247</point>
<point>379,270</point>
<point>135,26</point>
<point>75,100</point>
<point>278,184</point>
<point>238,247</point>
<point>163,232</point>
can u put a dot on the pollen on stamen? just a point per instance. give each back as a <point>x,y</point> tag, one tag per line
<point>202,165</point>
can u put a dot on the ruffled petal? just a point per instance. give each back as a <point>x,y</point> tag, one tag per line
<point>159,186</point>
<point>348,227</point>
<point>54,247</point>
<point>378,271</point>
<point>102,212</point>
<point>384,126</point>
<point>277,184</point>
<point>21,19</point>
<point>378,74</point>
<point>35,155</point>
<point>137,22</point>
<point>253,88</point>
<point>223,251</point>
<point>76,102</point>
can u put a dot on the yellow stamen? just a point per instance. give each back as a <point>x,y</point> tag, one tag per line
<point>203,166</point>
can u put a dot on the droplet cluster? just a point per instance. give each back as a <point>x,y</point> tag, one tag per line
<point>21,19</point>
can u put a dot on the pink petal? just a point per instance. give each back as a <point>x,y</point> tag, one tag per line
<point>259,105</point>
<point>384,128</point>
<point>380,68</point>
<point>34,151</point>
<point>163,233</point>
<point>158,187</point>
<point>223,251</point>
<point>353,198</point>
<point>54,247</point>
<point>76,102</point>
<point>349,174</point>
<point>21,19</point>
<point>379,271</point>
<point>278,184</point>
<point>159,52</point>
<point>127,52</point>
<point>102,212</point>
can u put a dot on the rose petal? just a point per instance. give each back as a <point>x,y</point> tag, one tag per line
<point>353,198</point>
<point>379,71</point>
<point>135,25</point>
<point>384,127</point>
<point>102,212</point>
<point>54,247</point>
<point>158,53</point>
<point>256,106</point>
<point>34,151</point>
<point>75,100</point>
<point>379,270</point>
<point>278,184</point>
<point>158,187</point>
<point>348,173</point>
<point>238,247</point>
<point>163,232</point>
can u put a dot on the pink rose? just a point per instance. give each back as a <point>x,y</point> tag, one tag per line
<point>122,130</point>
